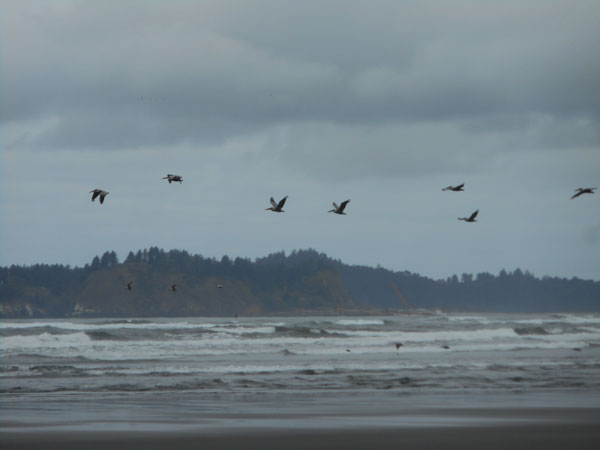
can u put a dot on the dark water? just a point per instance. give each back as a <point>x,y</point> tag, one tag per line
<point>125,372</point>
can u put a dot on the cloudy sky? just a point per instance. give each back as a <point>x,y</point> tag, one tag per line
<point>381,102</point>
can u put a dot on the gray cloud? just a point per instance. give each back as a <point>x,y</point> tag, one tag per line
<point>383,102</point>
<point>142,73</point>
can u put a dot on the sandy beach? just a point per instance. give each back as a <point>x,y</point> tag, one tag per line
<point>504,382</point>
<point>529,428</point>
<point>526,437</point>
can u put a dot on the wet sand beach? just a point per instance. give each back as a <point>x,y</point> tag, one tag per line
<point>516,437</point>
<point>486,381</point>
<point>529,428</point>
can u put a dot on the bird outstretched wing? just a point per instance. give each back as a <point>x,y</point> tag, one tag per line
<point>579,192</point>
<point>474,215</point>
<point>343,205</point>
<point>282,202</point>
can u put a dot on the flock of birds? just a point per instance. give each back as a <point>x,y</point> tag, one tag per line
<point>337,209</point>
<point>278,206</point>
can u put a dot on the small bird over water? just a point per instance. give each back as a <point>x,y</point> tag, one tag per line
<point>174,287</point>
<point>471,218</point>
<point>170,178</point>
<point>339,209</point>
<point>581,191</point>
<point>98,192</point>
<point>277,207</point>
<point>130,285</point>
<point>458,188</point>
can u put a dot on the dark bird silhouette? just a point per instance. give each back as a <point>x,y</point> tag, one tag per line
<point>458,188</point>
<point>339,209</point>
<point>170,178</point>
<point>173,287</point>
<point>581,191</point>
<point>130,285</point>
<point>277,207</point>
<point>471,218</point>
<point>398,345</point>
<point>98,192</point>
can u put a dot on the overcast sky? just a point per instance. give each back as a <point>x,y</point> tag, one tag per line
<point>384,103</point>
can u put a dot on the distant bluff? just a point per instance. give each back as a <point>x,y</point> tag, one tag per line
<point>302,282</point>
<point>174,284</point>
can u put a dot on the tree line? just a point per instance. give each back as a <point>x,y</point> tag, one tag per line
<point>302,275</point>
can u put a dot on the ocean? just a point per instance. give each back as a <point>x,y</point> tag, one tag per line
<point>208,373</point>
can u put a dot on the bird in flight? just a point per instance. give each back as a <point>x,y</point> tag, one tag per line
<point>130,285</point>
<point>173,287</point>
<point>581,191</point>
<point>458,188</point>
<point>98,192</point>
<point>277,207</point>
<point>170,178</point>
<point>339,209</point>
<point>471,218</point>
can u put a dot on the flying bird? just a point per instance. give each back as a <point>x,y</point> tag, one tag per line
<point>130,285</point>
<point>170,178</point>
<point>339,209</point>
<point>581,191</point>
<point>458,188</point>
<point>470,219</point>
<point>277,207</point>
<point>98,192</point>
<point>174,287</point>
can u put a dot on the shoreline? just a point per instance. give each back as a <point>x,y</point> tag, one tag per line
<point>514,437</point>
<point>434,428</point>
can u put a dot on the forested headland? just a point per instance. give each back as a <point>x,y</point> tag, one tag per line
<point>175,283</point>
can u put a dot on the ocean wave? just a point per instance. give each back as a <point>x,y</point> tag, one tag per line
<point>477,319</point>
<point>359,322</point>
<point>44,340</point>
<point>303,331</point>
<point>526,331</point>
<point>107,325</point>
<point>101,335</point>
<point>245,329</point>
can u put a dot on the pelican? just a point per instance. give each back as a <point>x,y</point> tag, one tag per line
<point>277,206</point>
<point>470,219</point>
<point>458,188</point>
<point>583,191</point>
<point>339,209</point>
<point>170,178</point>
<point>99,192</point>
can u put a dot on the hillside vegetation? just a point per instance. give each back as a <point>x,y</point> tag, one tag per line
<point>302,282</point>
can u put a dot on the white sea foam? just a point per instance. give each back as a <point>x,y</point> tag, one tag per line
<point>133,324</point>
<point>44,340</point>
<point>245,330</point>
<point>359,322</point>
